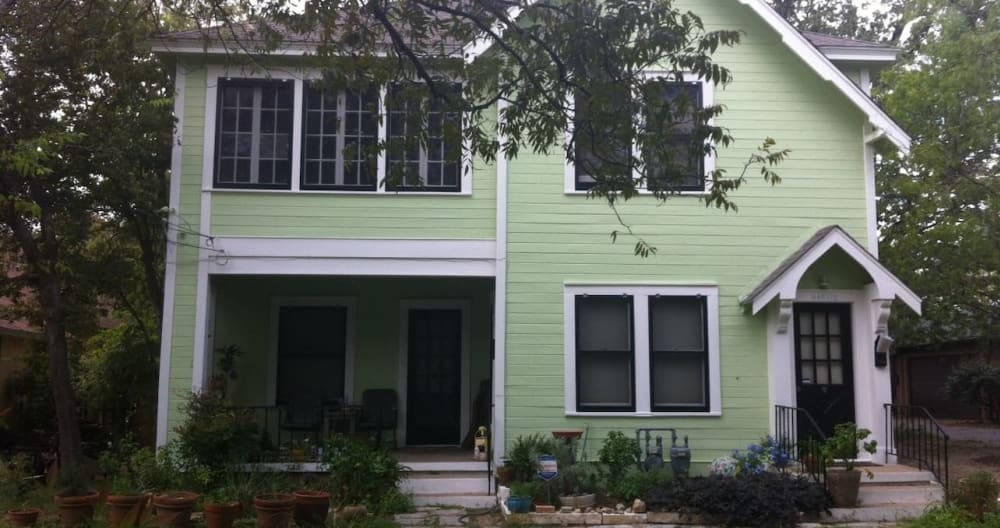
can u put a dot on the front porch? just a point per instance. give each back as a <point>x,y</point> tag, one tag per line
<point>405,361</point>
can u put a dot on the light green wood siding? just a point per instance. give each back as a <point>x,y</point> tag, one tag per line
<point>554,238</point>
<point>182,340</point>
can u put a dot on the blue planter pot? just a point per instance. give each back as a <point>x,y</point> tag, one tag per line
<point>519,504</point>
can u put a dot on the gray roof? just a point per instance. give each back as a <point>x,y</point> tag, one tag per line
<point>824,41</point>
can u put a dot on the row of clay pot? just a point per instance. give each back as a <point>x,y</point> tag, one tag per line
<point>173,509</point>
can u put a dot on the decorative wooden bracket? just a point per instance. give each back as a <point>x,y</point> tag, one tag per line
<point>882,308</point>
<point>785,315</point>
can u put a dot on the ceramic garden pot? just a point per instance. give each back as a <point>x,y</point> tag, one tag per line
<point>518,504</point>
<point>274,511</point>
<point>76,510</point>
<point>311,507</point>
<point>23,516</point>
<point>221,515</point>
<point>125,511</point>
<point>173,509</point>
<point>843,485</point>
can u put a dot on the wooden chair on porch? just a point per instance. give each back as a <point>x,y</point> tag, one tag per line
<point>303,417</point>
<point>379,412</point>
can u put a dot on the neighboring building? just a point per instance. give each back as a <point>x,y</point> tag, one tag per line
<point>921,372</point>
<point>504,277</point>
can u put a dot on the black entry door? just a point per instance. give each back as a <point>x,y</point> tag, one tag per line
<point>824,374</point>
<point>434,377</point>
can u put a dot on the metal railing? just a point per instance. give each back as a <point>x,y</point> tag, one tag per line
<point>797,433</point>
<point>914,437</point>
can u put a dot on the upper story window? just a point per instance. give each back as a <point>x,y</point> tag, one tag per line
<point>299,134</point>
<point>435,166</point>
<point>253,134</point>
<point>680,102</point>
<point>341,132</point>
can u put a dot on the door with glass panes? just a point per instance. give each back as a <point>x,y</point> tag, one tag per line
<point>823,365</point>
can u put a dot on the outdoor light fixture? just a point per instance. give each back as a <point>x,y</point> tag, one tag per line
<point>883,344</point>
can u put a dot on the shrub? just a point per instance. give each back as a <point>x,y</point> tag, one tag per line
<point>762,456</point>
<point>977,494</point>
<point>523,456</point>
<point>949,517</point>
<point>361,473</point>
<point>637,484</point>
<point>977,384</point>
<point>618,453</point>
<point>762,500</point>
<point>215,436</point>
<point>15,481</point>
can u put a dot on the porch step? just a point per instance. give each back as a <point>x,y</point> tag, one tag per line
<point>925,493</point>
<point>897,474</point>
<point>464,500</point>
<point>874,513</point>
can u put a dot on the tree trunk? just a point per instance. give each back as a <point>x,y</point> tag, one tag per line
<point>54,317</point>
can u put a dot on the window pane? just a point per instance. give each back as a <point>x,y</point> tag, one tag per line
<point>598,149</point>
<point>836,373</point>
<point>604,379</point>
<point>806,347</point>
<point>834,323</point>
<point>677,323</point>
<point>807,372</point>
<point>678,379</point>
<point>311,352</point>
<point>822,374</point>
<point>835,352</point>
<point>251,149</point>
<point>821,348</point>
<point>675,163</point>
<point>604,323</point>
<point>805,324</point>
<point>820,321</point>
<point>442,125</point>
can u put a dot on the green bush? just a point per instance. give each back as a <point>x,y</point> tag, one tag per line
<point>636,484</point>
<point>977,494</point>
<point>16,483</point>
<point>761,500</point>
<point>362,473</point>
<point>215,436</point>
<point>949,517</point>
<point>618,453</point>
<point>523,455</point>
<point>977,384</point>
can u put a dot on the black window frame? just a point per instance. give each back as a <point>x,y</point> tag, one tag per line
<point>697,88</point>
<point>423,156</point>
<point>307,91</point>
<point>705,356</point>
<point>224,83</point>
<point>630,354</point>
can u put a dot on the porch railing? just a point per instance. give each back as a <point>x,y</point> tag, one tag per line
<point>797,433</point>
<point>293,437</point>
<point>915,437</point>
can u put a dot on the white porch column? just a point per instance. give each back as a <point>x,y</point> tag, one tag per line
<point>780,357</point>
<point>879,311</point>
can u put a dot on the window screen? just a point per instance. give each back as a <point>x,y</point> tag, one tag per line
<point>678,353</point>
<point>604,353</point>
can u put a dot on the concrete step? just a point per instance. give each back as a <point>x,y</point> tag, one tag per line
<point>463,500</point>
<point>897,474</point>
<point>436,482</point>
<point>900,493</point>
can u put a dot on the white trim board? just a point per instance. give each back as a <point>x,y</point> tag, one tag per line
<point>405,306</point>
<point>500,302</point>
<point>642,367</point>
<point>170,275</point>
<point>348,303</point>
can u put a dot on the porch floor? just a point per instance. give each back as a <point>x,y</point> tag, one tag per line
<point>407,455</point>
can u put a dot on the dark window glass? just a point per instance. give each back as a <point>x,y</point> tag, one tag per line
<point>253,142</point>
<point>341,132</point>
<point>678,348</point>
<point>312,348</point>
<point>678,165</point>
<point>435,166</point>
<point>605,353</point>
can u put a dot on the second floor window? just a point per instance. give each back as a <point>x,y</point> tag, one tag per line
<point>254,140</point>
<point>435,165</point>
<point>341,133</point>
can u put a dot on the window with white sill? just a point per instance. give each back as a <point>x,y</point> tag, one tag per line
<point>642,350</point>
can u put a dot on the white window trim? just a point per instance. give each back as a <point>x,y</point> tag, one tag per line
<point>707,98</point>
<point>214,73</point>
<point>640,298</point>
<point>277,303</point>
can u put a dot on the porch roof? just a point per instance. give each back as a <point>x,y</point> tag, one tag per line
<point>783,280</point>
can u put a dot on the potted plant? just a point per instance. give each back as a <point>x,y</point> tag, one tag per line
<point>842,448</point>
<point>274,510</point>
<point>15,484</point>
<point>174,508</point>
<point>127,499</point>
<point>521,495</point>
<point>311,507</point>
<point>222,507</point>
<point>76,498</point>
<point>505,474</point>
<point>577,486</point>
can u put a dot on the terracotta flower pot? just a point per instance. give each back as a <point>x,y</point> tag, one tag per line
<point>23,516</point>
<point>274,511</point>
<point>125,511</point>
<point>75,510</point>
<point>221,515</point>
<point>311,507</point>
<point>173,509</point>
<point>843,485</point>
<point>505,475</point>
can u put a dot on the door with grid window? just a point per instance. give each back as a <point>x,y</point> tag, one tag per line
<point>823,364</point>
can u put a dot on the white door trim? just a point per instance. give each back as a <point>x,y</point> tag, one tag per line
<point>465,305</point>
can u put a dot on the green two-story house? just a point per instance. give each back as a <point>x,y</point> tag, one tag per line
<point>494,297</point>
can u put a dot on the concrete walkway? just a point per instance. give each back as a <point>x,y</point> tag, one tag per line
<point>434,516</point>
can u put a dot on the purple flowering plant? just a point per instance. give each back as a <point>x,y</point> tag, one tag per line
<point>761,457</point>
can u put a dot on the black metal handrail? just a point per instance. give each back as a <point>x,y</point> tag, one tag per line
<point>913,436</point>
<point>797,433</point>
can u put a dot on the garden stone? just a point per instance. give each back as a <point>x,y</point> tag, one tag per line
<point>638,506</point>
<point>619,507</point>
<point>567,509</point>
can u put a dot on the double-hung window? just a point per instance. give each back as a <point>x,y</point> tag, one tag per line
<point>254,134</point>
<point>673,164</point>
<point>341,134</point>
<point>435,165</point>
<point>642,349</point>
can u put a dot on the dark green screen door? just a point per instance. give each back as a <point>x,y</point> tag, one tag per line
<point>434,377</point>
